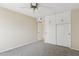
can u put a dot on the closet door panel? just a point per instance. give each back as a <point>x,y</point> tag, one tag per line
<point>67,35</point>
<point>67,17</point>
<point>52,34</point>
<point>52,20</point>
<point>59,18</point>
<point>60,35</point>
<point>50,29</point>
<point>46,29</point>
<point>63,18</point>
<point>64,35</point>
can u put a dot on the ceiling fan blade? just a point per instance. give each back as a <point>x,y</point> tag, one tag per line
<point>44,6</point>
<point>23,6</point>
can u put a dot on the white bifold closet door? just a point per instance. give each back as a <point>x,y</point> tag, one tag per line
<point>52,34</point>
<point>58,29</point>
<point>64,35</point>
<point>46,29</point>
<point>50,30</point>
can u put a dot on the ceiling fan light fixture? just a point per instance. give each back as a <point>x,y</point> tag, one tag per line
<point>34,5</point>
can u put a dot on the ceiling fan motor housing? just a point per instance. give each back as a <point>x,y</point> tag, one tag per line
<point>34,5</point>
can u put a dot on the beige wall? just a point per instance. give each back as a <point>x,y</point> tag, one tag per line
<point>75,29</point>
<point>15,29</point>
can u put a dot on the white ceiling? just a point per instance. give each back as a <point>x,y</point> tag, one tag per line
<point>43,10</point>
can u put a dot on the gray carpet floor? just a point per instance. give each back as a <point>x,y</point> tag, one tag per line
<point>41,49</point>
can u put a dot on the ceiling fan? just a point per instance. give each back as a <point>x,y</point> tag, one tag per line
<point>35,7</point>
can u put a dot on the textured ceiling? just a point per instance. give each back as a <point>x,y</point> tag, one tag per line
<point>44,9</point>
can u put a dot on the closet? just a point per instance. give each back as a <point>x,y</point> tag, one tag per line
<point>58,29</point>
<point>50,30</point>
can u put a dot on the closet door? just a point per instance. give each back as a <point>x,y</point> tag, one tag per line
<point>52,34</point>
<point>64,35</point>
<point>67,35</point>
<point>40,30</point>
<point>66,17</point>
<point>46,29</point>
<point>60,35</point>
<point>50,30</point>
<point>63,18</point>
<point>59,18</point>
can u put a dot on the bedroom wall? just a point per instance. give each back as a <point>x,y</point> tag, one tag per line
<point>15,29</point>
<point>75,29</point>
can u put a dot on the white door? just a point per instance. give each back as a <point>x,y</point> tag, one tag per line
<point>52,34</point>
<point>63,18</point>
<point>50,30</point>
<point>40,30</point>
<point>67,35</point>
<point>64,35</point>
<point>67,17</point>
<point>46,29</point>
<point>59,18</point>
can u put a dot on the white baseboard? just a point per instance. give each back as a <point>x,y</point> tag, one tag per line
<point>74,49</point>
<point>18,46</point>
